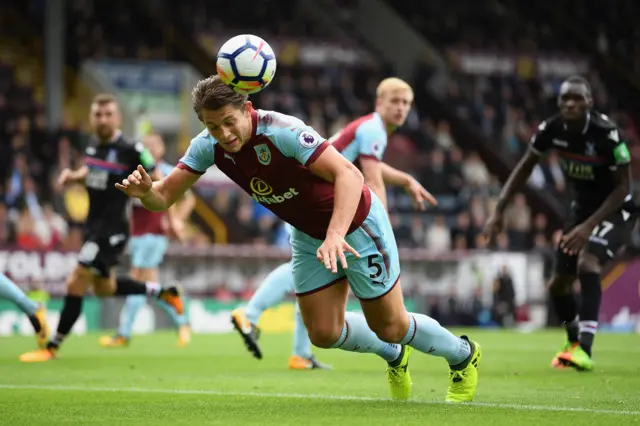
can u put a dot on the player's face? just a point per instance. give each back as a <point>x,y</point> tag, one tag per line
<point>155,145</point>
<point>394,106</point>
<point>574,101</point>
<point>104,120</point>
<point>229,125</point>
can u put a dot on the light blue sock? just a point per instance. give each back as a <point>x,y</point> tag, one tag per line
<point>427,335</point>
<point>301,342</point>
<point>272,291</point>
<point>132,305</point>
<point>356,336</point>
<point>178,320</point>
<point>11,292</point>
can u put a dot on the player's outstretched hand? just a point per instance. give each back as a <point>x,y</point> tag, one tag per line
<point>576,239</point>
<point>493,226</point>
<point>332,249</point>
<point>420,195</point>
<point>137,184</point>
<point>65,177</point>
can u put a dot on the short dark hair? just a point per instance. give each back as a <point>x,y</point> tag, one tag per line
<point>104,98</point>
<point>211,93</point>
<point>577,79</point>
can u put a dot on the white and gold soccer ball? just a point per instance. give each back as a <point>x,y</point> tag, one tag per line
<point>246,63</point>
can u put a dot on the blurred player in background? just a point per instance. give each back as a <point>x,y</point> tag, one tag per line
<point>595,159</point>
<point>107,159</point>
<point>149,242</point>
<point>363,142</point>
<point>286,166</point>
<point>36,312</point>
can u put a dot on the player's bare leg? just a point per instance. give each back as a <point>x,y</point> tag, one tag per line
<point>323,313</point>
<point>78,282</point>
<point>302,357</point>
<point>387,317</point>
<point>329,326</point>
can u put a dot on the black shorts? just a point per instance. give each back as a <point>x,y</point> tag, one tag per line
<point>100,253</point>
<point>605,241</point>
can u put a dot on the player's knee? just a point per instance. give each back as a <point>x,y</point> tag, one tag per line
<point>78,281</point>
<point>560,284</point>
<point>136,273</point>
<point>324,335</point>
<point>589,264</point>
<point>104,287</point>
<point>103,292</point>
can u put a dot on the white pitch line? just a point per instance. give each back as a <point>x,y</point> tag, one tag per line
<point>319,396</point>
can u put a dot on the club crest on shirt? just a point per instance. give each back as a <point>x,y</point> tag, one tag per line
<point>263,153</point>
<point>307,139</point>
<point>590,150</point>
<point>112,156</point>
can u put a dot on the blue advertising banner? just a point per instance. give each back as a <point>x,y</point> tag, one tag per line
<point>143,76</point>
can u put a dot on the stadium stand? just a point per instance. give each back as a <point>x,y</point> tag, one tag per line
<point>503,109</point>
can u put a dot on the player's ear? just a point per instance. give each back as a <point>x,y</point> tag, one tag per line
<point>247,109</point>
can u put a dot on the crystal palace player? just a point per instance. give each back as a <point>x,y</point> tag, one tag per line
<point>363,142</point>
<point>148,244</point>
<point>596,160</point>
<point>107,159</point>
<point>290,169</point>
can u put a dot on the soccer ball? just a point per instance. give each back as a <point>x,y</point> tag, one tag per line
<point>246,63</point>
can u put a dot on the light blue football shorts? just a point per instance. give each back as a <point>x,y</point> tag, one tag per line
<point>147,251</point>
<point>371,276</point>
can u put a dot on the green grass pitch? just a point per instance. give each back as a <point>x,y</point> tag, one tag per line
<point>215,382</point>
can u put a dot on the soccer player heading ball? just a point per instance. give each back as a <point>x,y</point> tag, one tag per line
<point>341,234</point>
<point>595,159</point>
<point>363,142</point>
